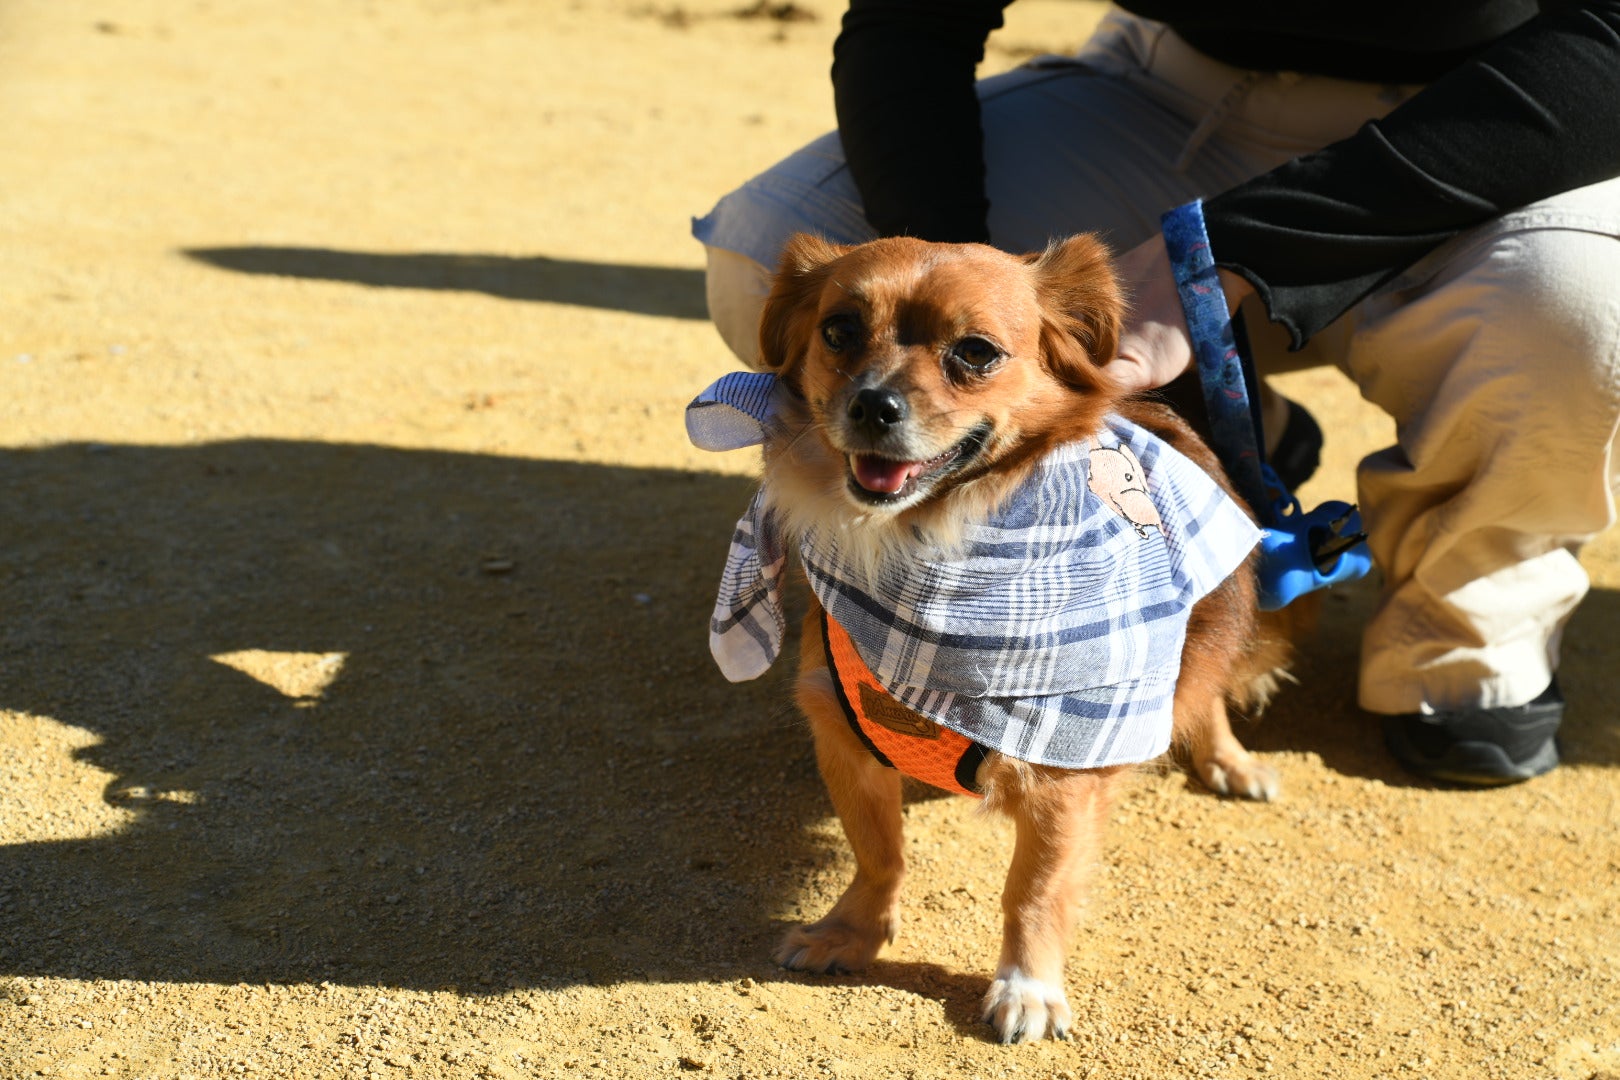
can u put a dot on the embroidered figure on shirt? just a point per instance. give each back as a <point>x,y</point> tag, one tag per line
<point>1116,477</point>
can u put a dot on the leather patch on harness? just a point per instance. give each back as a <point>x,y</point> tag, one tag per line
<point>898,736</point>
<point>883,709</point>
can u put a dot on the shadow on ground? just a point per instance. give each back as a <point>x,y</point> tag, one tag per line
<point>526,763</point>
<point>526,771</point>
<point>670,291</point>
<point>1320,714</point>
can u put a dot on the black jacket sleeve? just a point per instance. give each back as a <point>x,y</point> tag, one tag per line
<point>1538,113</point>
<point>908,116</point>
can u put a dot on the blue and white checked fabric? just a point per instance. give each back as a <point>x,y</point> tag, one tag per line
<point>1053,635</point>
<point>733,411</point>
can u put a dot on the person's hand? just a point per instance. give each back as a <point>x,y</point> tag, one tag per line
<point>1155,347</point>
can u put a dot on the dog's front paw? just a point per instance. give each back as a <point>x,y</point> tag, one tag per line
<point>1240,774</point>
<point>1022,1009</point>
<point>831,947</point>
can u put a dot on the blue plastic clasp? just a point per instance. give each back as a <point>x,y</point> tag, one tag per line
<point>1301,552</point>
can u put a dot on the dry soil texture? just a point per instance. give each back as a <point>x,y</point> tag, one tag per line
<point>355,710</point>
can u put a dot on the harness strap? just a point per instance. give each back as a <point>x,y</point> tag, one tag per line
<point>1299,551</point>
<point>899,737</point>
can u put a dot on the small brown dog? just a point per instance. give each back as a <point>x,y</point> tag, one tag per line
<point>925,383</point>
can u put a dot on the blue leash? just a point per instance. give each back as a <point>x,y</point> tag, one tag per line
<point>1299,552</point>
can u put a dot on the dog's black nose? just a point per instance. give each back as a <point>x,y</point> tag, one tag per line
<point>877,409</point>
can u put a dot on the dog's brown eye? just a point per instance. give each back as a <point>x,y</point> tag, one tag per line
<point>975,352</point>
<point>840,332</point>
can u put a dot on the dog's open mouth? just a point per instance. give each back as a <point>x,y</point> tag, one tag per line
<point>878,479</point>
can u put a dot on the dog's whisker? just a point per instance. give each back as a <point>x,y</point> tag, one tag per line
<point>796,437</point>
<point>944,414</point>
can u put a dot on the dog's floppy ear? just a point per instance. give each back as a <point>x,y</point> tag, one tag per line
<point>784,326</point>
<point>1083,310</point>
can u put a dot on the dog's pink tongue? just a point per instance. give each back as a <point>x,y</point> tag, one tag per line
<point>881,474</point>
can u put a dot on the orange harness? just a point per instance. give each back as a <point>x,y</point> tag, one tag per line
<point>898,736</point>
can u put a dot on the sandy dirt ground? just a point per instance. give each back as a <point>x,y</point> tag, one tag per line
<point>356,717</point>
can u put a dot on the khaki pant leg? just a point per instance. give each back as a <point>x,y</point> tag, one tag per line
<point>1497,357</point>
<point>1103,142</point>
<point>737,287</point>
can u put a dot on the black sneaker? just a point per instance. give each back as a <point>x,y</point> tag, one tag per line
<point>1480,747</point>
<point>1299,449</point>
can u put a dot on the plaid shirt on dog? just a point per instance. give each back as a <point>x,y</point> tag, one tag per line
<point>1053,635</point>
